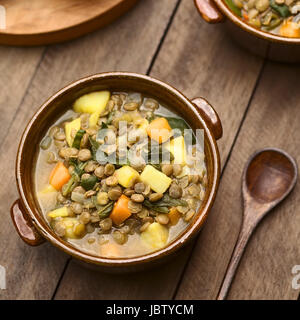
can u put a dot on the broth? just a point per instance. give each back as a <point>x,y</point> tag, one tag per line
<point>114,209</point>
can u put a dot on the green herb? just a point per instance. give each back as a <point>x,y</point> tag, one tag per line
<point>165,202</point>
<point>89,183</point>
<point>152,206</point>
<point>73,162</point>
<point>233,7</point>
<point>103,126</point>
<point>176,123</point>
<point>70,186</point>
<point>282,9</point>
<point>170,202</point>
<point>110,117</point>
<point>273,24</point>
<point>75,178</point>
<point>79,169</point>
<point>94,147</point>
<point>77,139</point>
<point>105,211</point>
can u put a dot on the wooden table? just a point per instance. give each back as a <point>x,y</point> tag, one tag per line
<point>258,103</point>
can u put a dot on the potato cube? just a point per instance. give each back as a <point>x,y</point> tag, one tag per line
<point>60,212</point>
<point>94,102</point>
<point>142,125</point>
<point>155,236</point>
<point>74,229</point>
<point>158,181</point>
<point>127,176</point>
<point>74,125</point>
<point>93,120</point>
<point>178,149</point>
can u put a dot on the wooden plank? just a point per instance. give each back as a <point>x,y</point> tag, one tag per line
<point>33,273</point>
<point>265,270</point>
<point>85,284</point>
<point>218,78</point>
<point>17,66</point>
<point>200,60</point>
<point>273,120</point>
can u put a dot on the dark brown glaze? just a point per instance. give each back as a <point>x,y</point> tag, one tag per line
<point>210,115</point>
<point>115,81</point>
<point>269,176</point>
<point>24,225</point>
<point>259,42</point>
<point>208,11</point>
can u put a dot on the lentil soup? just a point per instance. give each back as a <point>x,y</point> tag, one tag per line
<point>117,175</point>
<point>280,17</point>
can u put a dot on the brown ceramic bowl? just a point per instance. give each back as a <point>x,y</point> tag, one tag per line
<point>25,212</point>
<point>265,44</point>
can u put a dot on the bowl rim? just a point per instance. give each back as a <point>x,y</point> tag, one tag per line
<point>39,222</point>
<point>246,27</point>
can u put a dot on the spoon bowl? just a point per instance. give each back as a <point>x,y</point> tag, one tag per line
<point>269,176</point>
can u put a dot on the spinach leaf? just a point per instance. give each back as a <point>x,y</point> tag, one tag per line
<point>75,178</point>
<point>94,147</point>
<point>282,9</point>
<point>104,125</point>
<point>110,118</point>
<point>164,203</point>
<point>105,211</point>
<point>89,183</point>
<point>233,8</point>
<point>170,202</point>
<point>77,139</point>
<point>152,206</point>
<point>178,123</point>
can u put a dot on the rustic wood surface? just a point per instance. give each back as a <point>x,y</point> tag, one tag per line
<point>258,104</point>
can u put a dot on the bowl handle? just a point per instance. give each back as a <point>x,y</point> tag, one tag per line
<point>210,116</point>
<point>209,11</point>
<point>24,225</point>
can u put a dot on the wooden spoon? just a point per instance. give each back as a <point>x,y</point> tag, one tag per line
<point>269,176</point>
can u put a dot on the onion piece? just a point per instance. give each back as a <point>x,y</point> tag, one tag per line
<point>78,197</point>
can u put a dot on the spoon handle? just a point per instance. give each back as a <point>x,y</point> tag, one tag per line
<point>242,241</point>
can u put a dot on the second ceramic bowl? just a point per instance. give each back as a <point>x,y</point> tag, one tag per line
<point>263,43</point>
